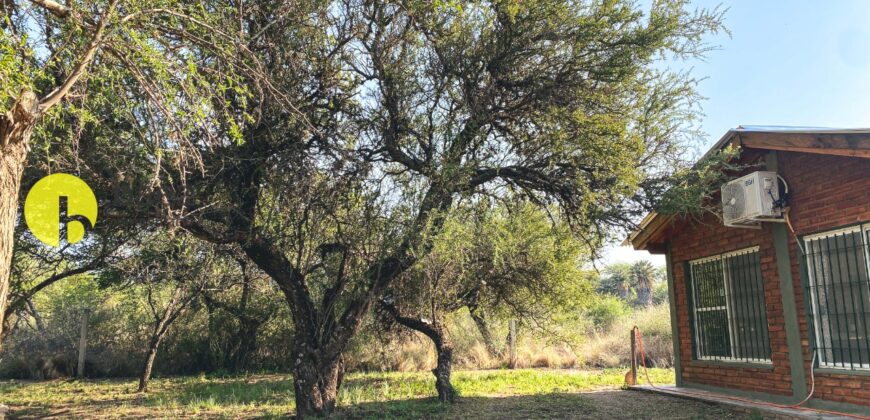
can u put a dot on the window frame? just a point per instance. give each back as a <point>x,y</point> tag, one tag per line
<point>730,321</point>
<point>814,325</point>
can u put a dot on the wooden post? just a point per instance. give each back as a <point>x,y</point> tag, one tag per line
<point>513,343</point>
<point>633,356</point>
<point>83,343</point>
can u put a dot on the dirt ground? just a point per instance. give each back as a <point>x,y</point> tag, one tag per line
<point>606,404</point>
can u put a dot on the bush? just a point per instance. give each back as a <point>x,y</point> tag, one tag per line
<point>660,293</point>
<point>606,310</point>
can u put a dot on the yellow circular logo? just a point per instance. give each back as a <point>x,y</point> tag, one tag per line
<point>60,206</point>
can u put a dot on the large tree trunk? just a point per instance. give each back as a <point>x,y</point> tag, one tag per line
<point>444,367</point>
<point>16,126</point>
<point>316,383</point>
<point>480,321</point>
<point>443,347</point>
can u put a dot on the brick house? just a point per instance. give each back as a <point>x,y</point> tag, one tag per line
<point>756,313</point>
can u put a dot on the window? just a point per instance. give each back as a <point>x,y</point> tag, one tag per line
<point>839,291</point>
<point>728,312</point>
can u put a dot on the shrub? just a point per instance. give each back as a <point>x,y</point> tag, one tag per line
<point>606,310</point>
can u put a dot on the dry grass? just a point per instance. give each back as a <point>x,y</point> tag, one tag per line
<point>613,348</point>
<point>598,349</point>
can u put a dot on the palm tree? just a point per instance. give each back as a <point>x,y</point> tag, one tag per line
<point>618,280</point>
<point>643,277</point>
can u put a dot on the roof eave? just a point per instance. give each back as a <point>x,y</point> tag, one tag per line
<point>828,141</point>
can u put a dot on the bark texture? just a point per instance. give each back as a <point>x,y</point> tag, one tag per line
<point>443,348</point>
<point>444,367</point>
<point>644,296</point>
<point>316,382</point>
<point>16,127</point>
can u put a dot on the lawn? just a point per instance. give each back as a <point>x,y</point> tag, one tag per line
<point>527,393</point>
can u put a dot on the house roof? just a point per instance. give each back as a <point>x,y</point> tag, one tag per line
<point>853,142</point>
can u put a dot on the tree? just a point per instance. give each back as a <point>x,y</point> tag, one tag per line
<point>385,114</point>
<point>172,274</point>
<point>644,280</point>
<point>99,53</point>
<point>510,259</point>
<point>618,280</point>
<point>631,282</point>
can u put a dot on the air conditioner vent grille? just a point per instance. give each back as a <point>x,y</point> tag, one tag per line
<point>733,201</point>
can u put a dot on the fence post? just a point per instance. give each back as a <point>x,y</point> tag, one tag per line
<point>513,343</point>
<point>633,356</point>
<point>83,343</point>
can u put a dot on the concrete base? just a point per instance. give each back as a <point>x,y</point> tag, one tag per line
<point>747,406</point>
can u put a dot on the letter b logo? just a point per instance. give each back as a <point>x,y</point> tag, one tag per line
<point>60,206</point>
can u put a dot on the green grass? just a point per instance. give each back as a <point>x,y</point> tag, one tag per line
<point>543,393</point>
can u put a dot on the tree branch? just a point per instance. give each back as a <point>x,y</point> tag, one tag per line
<point>22,299</point>
<point>412,323</point>
<point>54,8</point>
<point>58,93</point>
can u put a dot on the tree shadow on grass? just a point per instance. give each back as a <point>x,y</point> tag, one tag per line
<point>526,406</point>
<point>278,391</point>
<point>228,391</point>
<point>363,397</point>
<point>588,405</point>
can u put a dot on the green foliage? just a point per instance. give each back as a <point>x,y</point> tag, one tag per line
<point>634,283</point>
<point>50,335</point>
<point>14,75</point>
<point>690,191</point>
<point>346,148</point>
<point>511,260</point>
<point>606,310</point>
<point>143,89</point>
<point>660,293</point>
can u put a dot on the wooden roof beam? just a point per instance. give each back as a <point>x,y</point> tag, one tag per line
<point>854,145</point>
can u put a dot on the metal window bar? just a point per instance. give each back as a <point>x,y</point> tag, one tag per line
<point>838,268</point>
<point>728,308</point>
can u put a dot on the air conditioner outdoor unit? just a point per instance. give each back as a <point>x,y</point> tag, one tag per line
<point>751,199</point>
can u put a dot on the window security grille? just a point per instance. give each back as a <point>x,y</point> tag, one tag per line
<point>838,263</point>
<point>729,313</point>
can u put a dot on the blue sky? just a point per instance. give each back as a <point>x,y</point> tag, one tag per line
<point>788,63</point>
<point>796,62</point>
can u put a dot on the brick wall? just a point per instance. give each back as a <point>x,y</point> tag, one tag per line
<point>827,192</point>
<point>710,237</point>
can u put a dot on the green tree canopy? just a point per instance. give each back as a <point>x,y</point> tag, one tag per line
<point>380,117</point>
